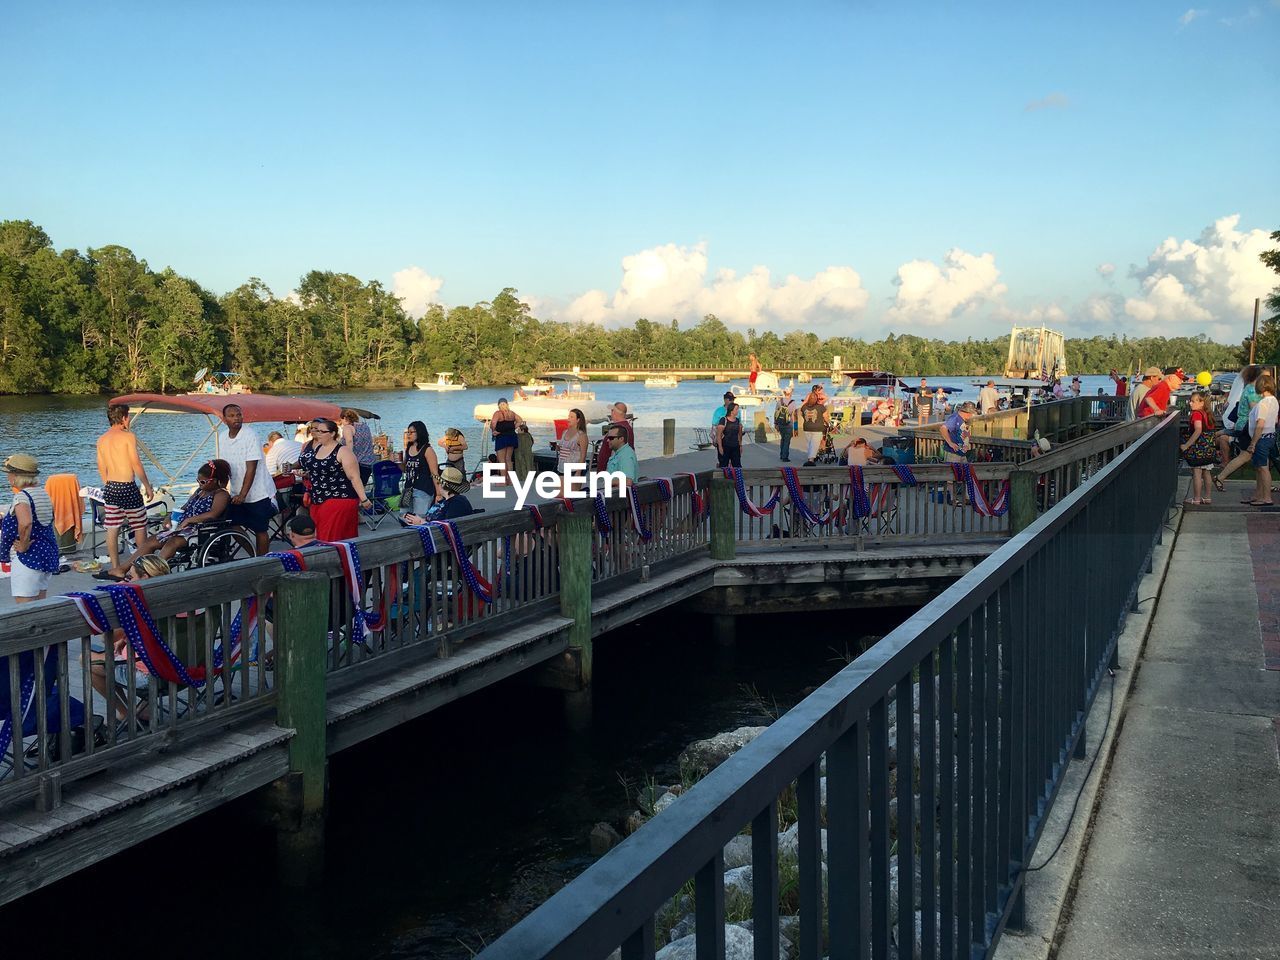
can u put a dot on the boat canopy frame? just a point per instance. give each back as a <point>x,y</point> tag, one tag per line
<point>256,407</point>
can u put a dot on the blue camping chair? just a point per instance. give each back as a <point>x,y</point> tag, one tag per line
<point>386,492</point>
<point>30,719</point>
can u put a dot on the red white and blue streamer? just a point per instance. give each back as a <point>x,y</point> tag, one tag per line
<point>699,506</point>
<point>637,517</point>
<point>146,639</point>
<point>798,500</point>
<point>603,524</point>
<point>744,502</point>
<point>905,476</point>
<point>858,488</point>
<point>478,585</point>
<point>977,496</point>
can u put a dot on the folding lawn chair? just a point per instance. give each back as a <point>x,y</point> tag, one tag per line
<point>883,518</point>
<point>386,492</point>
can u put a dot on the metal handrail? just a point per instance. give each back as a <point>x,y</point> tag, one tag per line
<point>1034,679</point>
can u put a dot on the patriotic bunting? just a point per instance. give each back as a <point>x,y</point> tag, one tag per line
<point>749,508</point>
<point>858,486</point>
<point>792,483</point>
<point>977,497</point>
<point>905,476</point>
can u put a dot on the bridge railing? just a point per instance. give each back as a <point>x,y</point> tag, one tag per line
<point>57,673</point>
<point>677,527</point>
<point>924,504</point>
<point>1004,667</point>
<point>412,599</point>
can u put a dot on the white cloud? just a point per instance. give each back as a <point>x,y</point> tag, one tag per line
<point>1105,270</point>
<point>1205,285</point>
<point>416,289</point>
<point>1054,101</point>
<point>1191,14</point>
<point>929,294</point>
<point>671,282</point>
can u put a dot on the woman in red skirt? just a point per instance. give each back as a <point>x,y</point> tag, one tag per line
<point>337,492</point>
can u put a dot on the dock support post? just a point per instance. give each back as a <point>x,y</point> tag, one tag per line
<point>1022,500</point>
<point>302,605</point>
<point>723,504</point>
<point>575,583</point>
<point>668,437</point>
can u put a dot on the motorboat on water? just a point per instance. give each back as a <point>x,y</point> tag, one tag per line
<point>444,383</point>
<point>664,380</point>
<point>218,383</point>
<point>537,388</point>
<point>767,390</point>
<point>548,408</point>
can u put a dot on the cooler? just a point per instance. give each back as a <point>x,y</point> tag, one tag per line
<point>898,450</point>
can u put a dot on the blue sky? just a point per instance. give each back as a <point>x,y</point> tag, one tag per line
<point>936,168</point>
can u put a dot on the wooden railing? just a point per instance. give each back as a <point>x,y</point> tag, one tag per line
<point>1008,435</point>
<point>49,642</point>
<point>424,604</point>
<point>899,512</point>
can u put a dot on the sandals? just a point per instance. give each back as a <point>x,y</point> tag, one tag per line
<point>1192,502</point>
<point>108,575</point>
<point>1217,483</point>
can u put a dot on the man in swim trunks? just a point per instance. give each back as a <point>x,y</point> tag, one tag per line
<point>118,463</point>
<point>753,373</point>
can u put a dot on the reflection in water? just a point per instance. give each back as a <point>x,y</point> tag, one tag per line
<point>446,831</point>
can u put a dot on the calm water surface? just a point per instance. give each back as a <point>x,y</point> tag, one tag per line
<point>446,831</point>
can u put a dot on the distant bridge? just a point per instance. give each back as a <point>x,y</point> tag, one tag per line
<point>684,371</point>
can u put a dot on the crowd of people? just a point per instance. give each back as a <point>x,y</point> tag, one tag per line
<point>323,472</point>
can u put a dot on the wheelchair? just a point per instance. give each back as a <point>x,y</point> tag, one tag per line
<point>211,543</point>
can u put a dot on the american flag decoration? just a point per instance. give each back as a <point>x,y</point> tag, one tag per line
<point>477,584</point>
<point>699,506</point>
<point>792,483</point>
<point>91,611</point>
<point>602,516</point>
<point>858,487</point>
<point>977,497</point>
<point>637,517</point>
<point>536,514</point>
<point>145,638</point>
<point>749,508</point>
<point>905,476</point>
<point>363,621</point>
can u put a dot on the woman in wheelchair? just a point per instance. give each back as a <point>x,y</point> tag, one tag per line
<point>208,502</point>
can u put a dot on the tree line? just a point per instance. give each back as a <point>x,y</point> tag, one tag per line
<point>103,320</point>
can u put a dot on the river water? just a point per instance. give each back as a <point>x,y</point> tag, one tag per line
<point>444,832</point>
<point>60,431</point>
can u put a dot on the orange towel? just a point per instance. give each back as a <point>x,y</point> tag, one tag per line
<point>68,509</point>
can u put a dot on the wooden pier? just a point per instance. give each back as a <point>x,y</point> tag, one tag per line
<point>308,685</point>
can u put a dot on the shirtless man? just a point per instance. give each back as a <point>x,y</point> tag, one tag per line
<point>753,372</point>
<point>118,463</point>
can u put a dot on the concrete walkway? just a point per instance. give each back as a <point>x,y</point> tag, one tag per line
<point>1184,858</point>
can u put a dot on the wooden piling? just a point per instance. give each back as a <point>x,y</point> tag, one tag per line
<point>1022,500</point>
<point>301,633</point>
<point>575,583</point>
<point>724,505</point>
<point>668,437</point>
